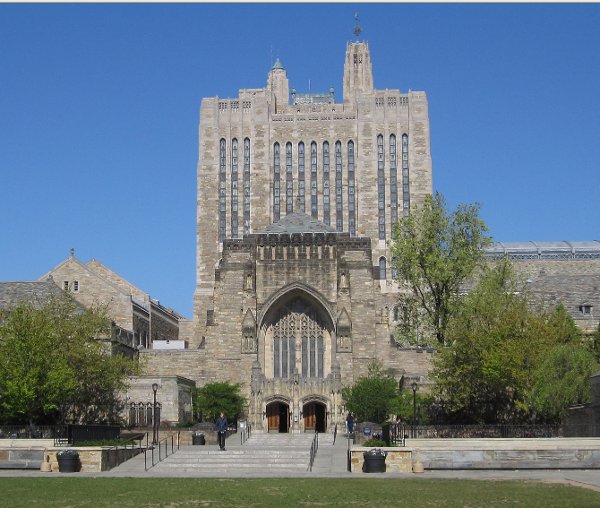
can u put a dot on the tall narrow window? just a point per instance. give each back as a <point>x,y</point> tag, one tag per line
<point>351,191</point>
<point>405,178</point>
<point>339,217</point>
<point>284,357</point>
<point>301,175</point>
<point>312,355</point>
<point>222,190</point>
<point>289,180</point>
<point>304,356</point>
<point>246,186</point>
<point>276,356</point>
<point>381,187</point>
<point>234,188</point>
<point>326,203</point>
<point>314,202</point>
<point>382,268</point>
<point>393,183</point>
<point>276,182</point>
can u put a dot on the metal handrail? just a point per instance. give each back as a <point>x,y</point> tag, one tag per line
<point>159,445</point>
<point>313,450</point>
<point>125,446</point>
<point>245,433</point>
<point>349,456</point>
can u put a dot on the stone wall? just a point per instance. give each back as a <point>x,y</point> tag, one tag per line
<point>94,459</point>
<point>174,394</point>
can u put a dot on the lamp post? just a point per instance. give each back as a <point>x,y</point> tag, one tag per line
<point>414,387</point>
<point>154,425</point>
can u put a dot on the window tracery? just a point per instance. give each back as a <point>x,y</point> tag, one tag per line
<point>351,191</point>
<point>289,180</point>
<point>381,187</point>
<point>298,329</point>
<point>301,182</point>
<point>276,182</point>
<point>222,190</point>
<point>313,181</point>
<point>326,196</point>
<point>234,188</point>
<point>339,211</point>
<point>393,183</point>
<point>246,186</point>
<point>405,177</point>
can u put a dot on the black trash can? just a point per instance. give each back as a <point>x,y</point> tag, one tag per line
<point>374,463</point>
<point>68,461</point>
<point>198,439</point>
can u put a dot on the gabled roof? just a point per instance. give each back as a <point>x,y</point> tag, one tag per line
<point>35,292</point>
<point>298,222</point>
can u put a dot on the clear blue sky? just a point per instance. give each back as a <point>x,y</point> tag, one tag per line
<point>99,117</point>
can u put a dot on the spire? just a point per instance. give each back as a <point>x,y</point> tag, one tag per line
<point>357,28</point>
<point>277,65</point>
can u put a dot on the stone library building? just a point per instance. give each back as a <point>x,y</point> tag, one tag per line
<point>297,195</point>
<point>295,289</point>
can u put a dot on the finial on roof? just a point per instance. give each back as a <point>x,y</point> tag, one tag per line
<point>357,28</point>
<point>72,252</point>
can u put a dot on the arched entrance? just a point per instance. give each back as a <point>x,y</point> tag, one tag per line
<point>315,416</point>
<point>278,417</point>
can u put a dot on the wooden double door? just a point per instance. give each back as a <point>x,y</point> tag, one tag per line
<point>278,417</point>
<point>315,417</point>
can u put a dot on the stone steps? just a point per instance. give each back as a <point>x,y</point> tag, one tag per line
<point>262,453</point>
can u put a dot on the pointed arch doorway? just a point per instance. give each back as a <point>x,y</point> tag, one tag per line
<point>315,416</point>
<point>278,417</point>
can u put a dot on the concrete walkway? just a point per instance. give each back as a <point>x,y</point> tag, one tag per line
<point>330,463</point>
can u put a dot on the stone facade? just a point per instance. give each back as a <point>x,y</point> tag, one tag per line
<point>295,291</point>
<point>297,197</point>
<point>173,397</point>
<point>132,309</point>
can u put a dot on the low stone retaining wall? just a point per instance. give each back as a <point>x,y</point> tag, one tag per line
<point>551,453</point>
<point>26,443</point>
<point>542,453</point>
<point>21,458</point>
<point>94,459</point>
<point>398,460</point>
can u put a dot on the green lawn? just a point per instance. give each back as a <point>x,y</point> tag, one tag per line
<point>279,492</point>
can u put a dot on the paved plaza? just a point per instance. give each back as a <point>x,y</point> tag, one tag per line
<point>287,456</point>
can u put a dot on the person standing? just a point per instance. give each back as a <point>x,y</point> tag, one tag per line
<point>222,430</point>
<point>350,423</point>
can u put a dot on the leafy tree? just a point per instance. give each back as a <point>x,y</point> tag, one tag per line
<point>403,406</point>
<point>213,398</point>
<point>435,252</point>
<point>562,380</point>
<point>370,398</point>
<point>53,367</point>
<point>595,343</point>
<point>497,341</point>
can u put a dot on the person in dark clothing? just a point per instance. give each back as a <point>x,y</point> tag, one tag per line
<point>222,430</point>
<point>350,423</point>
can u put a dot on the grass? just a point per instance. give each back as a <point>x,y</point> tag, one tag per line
<point>73,492</point>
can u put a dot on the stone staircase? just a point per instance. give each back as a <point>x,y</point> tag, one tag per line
<point>264,454</point>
